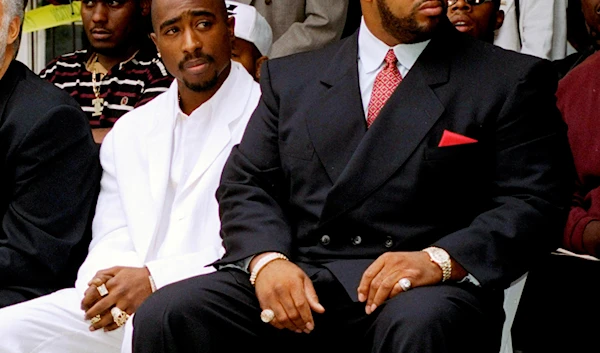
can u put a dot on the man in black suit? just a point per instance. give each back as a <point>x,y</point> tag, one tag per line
<point>48,177</point>
<point>356,225</point>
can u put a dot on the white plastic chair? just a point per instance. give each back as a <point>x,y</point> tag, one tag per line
<point>512,296</point>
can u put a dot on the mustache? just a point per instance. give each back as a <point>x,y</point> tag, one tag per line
<point>196,55</point>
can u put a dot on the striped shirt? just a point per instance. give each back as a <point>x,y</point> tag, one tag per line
<point>126,86</point>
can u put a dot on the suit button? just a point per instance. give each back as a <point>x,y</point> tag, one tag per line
<point>356,240</point>
<point>389,242</point>
<point>325,240</point>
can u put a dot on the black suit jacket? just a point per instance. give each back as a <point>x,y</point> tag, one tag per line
<point>310,181</point>
<point>48,185</point>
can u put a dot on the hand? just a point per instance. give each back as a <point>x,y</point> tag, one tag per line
<point>284,288</point>
<point>591,238</point>
<point>380,280</point>
<point>127,288</point>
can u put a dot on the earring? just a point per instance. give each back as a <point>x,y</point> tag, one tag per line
<point>160,56</point>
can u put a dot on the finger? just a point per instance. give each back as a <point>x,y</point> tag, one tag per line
<point>111,327</point>
<point>281,319</point>
<point>367,277</point>
<point>396,290</point>
<point>101,306</point>
<point>99,278</point>
<point>105,320</point>
<point>299,312</point>
<point>384,289</point>
<point>313,298</point>
<point>376,283</point>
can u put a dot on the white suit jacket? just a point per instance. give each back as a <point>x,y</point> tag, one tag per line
<point>136,158</point>
<point>541,29</point>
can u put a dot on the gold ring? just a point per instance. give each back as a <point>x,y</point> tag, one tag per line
<point>119,316</point>
<point>96,319</point>
<point>267,315</point>
<point>102,290</point>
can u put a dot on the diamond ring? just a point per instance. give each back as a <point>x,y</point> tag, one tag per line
<point>405,284</point>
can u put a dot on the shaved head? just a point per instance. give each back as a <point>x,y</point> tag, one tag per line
<point>159,5</point>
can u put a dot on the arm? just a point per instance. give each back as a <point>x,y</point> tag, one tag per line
<point>530,186</point>
<point>111,242</point>
<point>252,220</point>
<point>55,184</point>
<point>582,233</point>
<point>324,23</point>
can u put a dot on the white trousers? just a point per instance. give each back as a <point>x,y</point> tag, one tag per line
<point>55,324</point>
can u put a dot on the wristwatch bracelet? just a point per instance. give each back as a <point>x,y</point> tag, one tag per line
<point>440,257</point>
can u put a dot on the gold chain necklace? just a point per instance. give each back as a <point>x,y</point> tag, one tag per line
<point>97,102</point>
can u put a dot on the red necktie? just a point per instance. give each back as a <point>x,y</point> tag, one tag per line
<point>385,84</point>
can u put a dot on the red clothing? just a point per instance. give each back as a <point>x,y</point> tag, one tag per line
<point>579,101</point>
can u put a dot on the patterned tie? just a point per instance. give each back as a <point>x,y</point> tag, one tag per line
<point>385,84</point>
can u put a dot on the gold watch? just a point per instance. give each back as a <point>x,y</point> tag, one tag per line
<point>442,259</point>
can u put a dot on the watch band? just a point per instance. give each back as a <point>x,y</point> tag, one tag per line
<point>440,257</point>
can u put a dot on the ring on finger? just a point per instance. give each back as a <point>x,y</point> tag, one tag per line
<point>119,316</point>
<point>267,315</point>
<point>102,290</point>
<point>96,319</point>
<point>405,284</point>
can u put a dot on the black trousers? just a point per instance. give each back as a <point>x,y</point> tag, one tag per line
<point>219,312</point>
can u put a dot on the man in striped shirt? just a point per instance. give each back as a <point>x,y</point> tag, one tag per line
<point>121,69</point>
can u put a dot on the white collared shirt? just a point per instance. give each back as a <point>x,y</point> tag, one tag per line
<point>371,55</point>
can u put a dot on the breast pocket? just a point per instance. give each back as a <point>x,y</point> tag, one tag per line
<point>452,153</point>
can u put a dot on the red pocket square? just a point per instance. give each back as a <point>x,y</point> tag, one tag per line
<point>450,138</point>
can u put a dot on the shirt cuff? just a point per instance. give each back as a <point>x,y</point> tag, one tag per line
<point>241,265</point>
<point>469,278</point>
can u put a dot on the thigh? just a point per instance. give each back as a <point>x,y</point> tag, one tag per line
<point>218,312</point>
<point>442,318</point>
<point>52,323</point>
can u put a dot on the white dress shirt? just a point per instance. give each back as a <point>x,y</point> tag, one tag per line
<point>371,55</point>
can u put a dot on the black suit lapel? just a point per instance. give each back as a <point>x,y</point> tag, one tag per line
<point>338,125</point>
<point>400,127</point>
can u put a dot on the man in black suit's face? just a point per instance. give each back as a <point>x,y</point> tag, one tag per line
<point>403,21</point>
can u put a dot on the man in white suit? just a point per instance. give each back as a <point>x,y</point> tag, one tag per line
<point>156,220</point>
<point>534,27</point>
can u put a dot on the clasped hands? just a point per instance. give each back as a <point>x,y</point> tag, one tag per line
<point>127,288</point>
<point>286,289</point>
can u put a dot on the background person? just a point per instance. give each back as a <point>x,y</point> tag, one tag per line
<point>479,18</point>
<point>119,71</point>
<point>253,37</point>
<point>302,25</point>
<point>48,176</point>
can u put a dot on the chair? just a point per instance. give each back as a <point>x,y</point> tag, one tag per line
<point>512,295</point>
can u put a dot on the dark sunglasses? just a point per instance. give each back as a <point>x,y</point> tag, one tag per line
<point>470,2</point>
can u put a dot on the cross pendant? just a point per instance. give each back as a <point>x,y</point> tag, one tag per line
<point>98,106</point>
